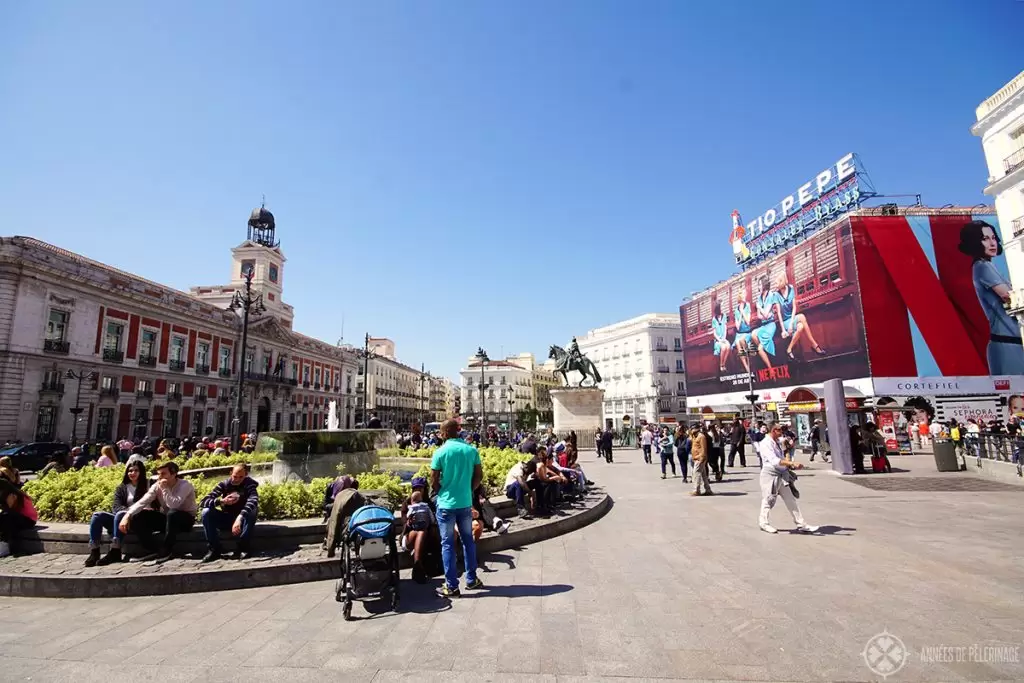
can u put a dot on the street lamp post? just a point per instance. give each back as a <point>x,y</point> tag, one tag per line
<point>249,305</point>
<point>81,376</point>
<point>511,415</point>
<point>752,397</point>
<point>483,360</point>
<point>366,379</point>
<point>423,407</point>
<point>656,399</point>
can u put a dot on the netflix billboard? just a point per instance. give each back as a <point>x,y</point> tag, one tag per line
<point>912,301</point>
<point>794,319</point>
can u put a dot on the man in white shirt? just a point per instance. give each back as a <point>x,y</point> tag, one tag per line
<point>935,429</point>
<point>774,470</point>
<point>646,438</point>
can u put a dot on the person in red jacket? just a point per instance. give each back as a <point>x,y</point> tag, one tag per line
<point>16,514</point>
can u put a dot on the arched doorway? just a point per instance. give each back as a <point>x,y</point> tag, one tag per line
<point>263,415</point>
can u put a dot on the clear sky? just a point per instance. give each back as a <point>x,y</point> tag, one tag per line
<point>463,174</point>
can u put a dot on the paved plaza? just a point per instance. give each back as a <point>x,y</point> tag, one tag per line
<point>665,586</point>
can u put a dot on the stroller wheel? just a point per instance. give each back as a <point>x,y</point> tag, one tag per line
<point>346,610</point>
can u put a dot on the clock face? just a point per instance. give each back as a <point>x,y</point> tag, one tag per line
<point>248,267</point>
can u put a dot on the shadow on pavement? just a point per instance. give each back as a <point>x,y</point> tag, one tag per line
<point>832,530</point>
<point>717,494</point>
<point>519,590</point>
<point>506,560</point>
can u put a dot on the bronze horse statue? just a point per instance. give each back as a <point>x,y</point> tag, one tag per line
<point>564,363</point>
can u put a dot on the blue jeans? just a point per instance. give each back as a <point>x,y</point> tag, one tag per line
<point>666,458</point>
<point>447,520</point>
<point>215,521</point>
<point>108,521</point>
<point>515,492</point>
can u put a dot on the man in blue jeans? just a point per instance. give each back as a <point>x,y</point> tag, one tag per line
<point>455,472</point>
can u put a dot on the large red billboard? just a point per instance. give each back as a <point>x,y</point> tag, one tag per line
<point>792,320</point>
<point>917,302</point>
<point>934,290</point>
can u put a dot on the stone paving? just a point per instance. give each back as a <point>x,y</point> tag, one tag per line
<point>666,586</point>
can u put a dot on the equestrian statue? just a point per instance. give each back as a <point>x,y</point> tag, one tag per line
<point>573,359</point>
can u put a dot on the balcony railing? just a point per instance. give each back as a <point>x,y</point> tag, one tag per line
<point>1017,226</point>
<point>680,371</point>
<point>305,385</point>
<point>176,365</point>
<point>1014,161</point>
<point>110,392</point>
<point>202,369</point>
<point>144,393</point>
<point>201,398</point>
<point>224,372</point>
<point>147,361</point>
<point>222,398</point>
<point>664,370</point>
<point>661,347</point>
<point>265,377</point>
<point>316,385</point>
<point>52,386</point>
<point>113,356</point>
<point>1016,303</point>
<point>56,346</point>
<point>174,396</point>
<point>680,392</point>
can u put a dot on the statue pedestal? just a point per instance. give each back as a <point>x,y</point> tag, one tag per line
<point>578,409</point>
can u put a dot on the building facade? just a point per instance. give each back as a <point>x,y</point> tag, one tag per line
<point>641,365</point>
<point>397,393</point>
<point>155,361</point>
<point>1000,126</point>
<point>493,392</point>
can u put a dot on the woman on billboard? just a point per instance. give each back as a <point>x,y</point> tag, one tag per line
<point>764,335</point>
<point>794,325</point>
<point>741,314</point>
<point>720,326</point>
<point>979,240</point>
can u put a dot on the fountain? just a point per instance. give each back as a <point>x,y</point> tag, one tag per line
<point>307,454</point>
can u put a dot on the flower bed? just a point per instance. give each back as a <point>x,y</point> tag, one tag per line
<point>74,495</point>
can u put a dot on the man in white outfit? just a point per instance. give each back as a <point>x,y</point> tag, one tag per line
<point>774,469</point>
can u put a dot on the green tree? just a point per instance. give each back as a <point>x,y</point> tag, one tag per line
<point>526,418</point>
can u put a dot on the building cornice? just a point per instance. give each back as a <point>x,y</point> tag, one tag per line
<point>990,112</point>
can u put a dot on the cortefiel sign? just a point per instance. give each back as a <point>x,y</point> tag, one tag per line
<point>828,195</point>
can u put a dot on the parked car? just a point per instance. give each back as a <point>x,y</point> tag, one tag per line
<point>33,457</point>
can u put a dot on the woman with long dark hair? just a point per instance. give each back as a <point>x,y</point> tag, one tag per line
<point>741,315</point>
<point>1005,353</point>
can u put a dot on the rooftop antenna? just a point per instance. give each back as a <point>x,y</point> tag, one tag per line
<point>263,200</point>
<point>341,340</point>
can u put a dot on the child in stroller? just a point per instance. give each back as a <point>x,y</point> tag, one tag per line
<point>369,559</point>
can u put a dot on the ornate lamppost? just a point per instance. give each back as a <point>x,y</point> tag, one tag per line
<point>81,376</point>
<point>483,360</point>
<point>249,305</point>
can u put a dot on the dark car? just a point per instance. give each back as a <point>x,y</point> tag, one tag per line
<point>33,457</point>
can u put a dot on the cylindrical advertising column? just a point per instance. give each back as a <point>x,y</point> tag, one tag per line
<point>838,427</point>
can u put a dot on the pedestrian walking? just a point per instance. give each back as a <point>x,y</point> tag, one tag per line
<point>646,438</point>
<point>667,446</point>
<point>777,479</point>
<point>682,447</point>
<point>716,445</point>
<point>737,435</point>
<point>699,453</point>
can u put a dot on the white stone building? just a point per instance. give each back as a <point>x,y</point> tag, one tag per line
<point>161,362</point>
<point>398,394</point>
<point>507,389</point>
<point>1000,126</point>
<point>641,365</point>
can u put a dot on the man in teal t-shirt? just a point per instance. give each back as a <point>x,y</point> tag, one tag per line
<point>455,473</point>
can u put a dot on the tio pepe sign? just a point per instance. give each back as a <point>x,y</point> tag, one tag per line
<point>831,193</point>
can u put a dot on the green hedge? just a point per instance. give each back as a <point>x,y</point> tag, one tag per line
<point>74,495</point>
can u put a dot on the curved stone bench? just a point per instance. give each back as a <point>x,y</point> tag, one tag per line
<point>267,536</point>
<point>62,574</point>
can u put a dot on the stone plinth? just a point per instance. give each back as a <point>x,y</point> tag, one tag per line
<point>578,409</point>
<point>306,455</point>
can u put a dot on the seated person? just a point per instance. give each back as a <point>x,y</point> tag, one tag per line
<point>133,487</point>
<point>517,488</point>
<point>59,462</point>
<point>486,514</point>
<point>79,457</point>
<point>334,488</point>
<point>418,520</point>
<point>16,514</point>
<point>176,513</point>
<point>9,472</point>
<point>232,504</point>
<point>545,483</point>
<point>108,458</point>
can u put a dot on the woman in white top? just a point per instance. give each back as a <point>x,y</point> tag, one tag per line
<point>774,470</point>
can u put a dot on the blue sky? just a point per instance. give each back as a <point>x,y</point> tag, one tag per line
<point>453,174</point>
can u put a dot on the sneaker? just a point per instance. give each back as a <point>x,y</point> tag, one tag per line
<point>164,558</point>
<point>709,492</point>
<point>113,555</point>
<point>211,556</point>
<point>94,557</point>
<point>663,476</point>
<point>694,493</point>
<point>503,528</point>
<point>5,549</point>
<point>241,555</point>
<point>768,528</point>
<point>446,592</point>
<point>806,529</point>
<point>476,585</point>
<point>148,557</point>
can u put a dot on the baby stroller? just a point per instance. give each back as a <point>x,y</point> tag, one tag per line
<point>369,559</point>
